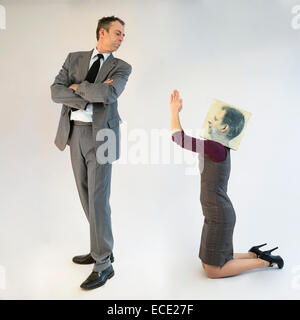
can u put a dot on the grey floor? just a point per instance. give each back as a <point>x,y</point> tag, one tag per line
<point>157,234</point>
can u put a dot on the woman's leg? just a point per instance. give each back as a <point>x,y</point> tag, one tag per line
<point>248,255</point>
<point>234,267</point>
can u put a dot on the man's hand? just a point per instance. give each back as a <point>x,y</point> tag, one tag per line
<point>74,86</point>
<point>175,102</point>
<point>108,81</point>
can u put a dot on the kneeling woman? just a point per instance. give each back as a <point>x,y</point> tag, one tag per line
<point>216,249</point>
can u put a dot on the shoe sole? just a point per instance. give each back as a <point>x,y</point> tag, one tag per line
<point>101,284</point>
<point>85,263</point>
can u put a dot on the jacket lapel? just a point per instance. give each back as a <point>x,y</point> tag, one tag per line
<point>109,63</point>
<point>85,63</point>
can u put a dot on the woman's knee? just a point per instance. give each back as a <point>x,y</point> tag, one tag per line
<point>212,272</point>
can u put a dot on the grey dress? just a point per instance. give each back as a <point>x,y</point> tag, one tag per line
<point>219,216</point>
<point>216,246</point>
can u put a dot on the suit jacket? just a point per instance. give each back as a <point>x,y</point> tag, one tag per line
<point>103,96</point>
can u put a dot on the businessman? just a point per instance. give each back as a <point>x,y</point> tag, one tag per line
<point>88,86</point>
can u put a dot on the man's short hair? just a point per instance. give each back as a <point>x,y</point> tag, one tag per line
<point>235,120</point>
<point>105,24</point>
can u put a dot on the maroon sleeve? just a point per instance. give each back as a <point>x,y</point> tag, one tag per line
<point>214,150</point>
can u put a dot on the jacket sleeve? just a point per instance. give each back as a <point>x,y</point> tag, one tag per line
<point>213,149</point>
<point>60,91</point>
<point>104,92</point>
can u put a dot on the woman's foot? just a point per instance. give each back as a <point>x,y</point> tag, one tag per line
<point>268,257</point>
<point>252,255</point>
<point>256,250</point>
<point>265,263</point>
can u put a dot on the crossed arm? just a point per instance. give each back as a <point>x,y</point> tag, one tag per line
<point>108,91</point>
<point>79,95</point>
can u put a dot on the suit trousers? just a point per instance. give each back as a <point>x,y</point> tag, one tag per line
<point>93,182</point>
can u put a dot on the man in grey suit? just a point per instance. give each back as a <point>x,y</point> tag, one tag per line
<point>88,86</point>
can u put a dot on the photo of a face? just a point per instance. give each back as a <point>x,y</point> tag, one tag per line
<point>225,124</point>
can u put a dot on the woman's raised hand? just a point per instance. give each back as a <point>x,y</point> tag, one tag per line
<point>175,102</point>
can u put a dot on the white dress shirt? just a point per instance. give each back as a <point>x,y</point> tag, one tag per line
<point>87,114</point>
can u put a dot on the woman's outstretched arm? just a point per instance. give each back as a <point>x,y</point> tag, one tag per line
<point>214,150</point>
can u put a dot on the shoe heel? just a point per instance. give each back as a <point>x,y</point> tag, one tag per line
<point>111,275</point>
<point>256,250</point>
<point>269,251</point>
<point>280,264</point>
<point>261,245</point>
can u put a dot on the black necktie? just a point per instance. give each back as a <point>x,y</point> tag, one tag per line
<point>94,69</point>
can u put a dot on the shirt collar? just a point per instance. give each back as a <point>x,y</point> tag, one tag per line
<point>105,55</point>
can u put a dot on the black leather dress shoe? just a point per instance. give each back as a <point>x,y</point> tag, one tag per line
<point>88,259</point>
<point>97,279</point>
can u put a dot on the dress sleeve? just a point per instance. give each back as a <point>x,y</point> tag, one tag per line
<point>214,150</point>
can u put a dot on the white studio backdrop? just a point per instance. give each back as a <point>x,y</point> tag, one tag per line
<point>242,52</point>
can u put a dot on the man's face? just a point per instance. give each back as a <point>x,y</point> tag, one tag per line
<point>216,126</point>
<point>112,39</point>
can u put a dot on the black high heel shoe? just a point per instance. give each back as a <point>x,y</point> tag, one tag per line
<point>256,250</point>
<point>266,255</point>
